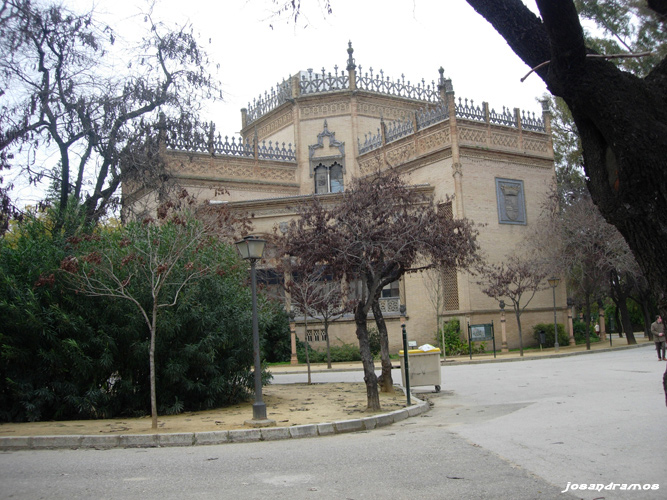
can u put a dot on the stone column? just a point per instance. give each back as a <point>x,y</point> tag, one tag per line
<point>503,331</point>
<point>244,117</point>
<point>292,329</point>
<point>570,313</point>
<point>449,98</point>
<point>519,126</point>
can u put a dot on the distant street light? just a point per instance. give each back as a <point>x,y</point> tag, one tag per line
<point>252,248</point>
<point>553,283</point>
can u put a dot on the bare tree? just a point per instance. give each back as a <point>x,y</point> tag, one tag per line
<point>317,295</point>
<point>374,232</point>
<point>517,279</point>
<point>148,263</point>
<point>67,93</point>
<point>330,305</point>
<point>435,286</point>
<point>574,239</point>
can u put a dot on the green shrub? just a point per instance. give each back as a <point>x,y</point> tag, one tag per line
<point>455,345</point>
<point>579,328</point>
<point>275,339</point>
<point>339,353</point>
<point>548,328</point>
<point>69,356</point>
<point>374,340</point>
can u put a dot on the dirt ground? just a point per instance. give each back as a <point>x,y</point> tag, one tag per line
<point>288,405</point>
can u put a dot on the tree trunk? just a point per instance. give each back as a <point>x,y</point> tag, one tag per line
<point>627,323</point>
<point>621,119</point>
<point>305,341</point>
<point>620,295</point>
<point>151,361</point>
<point>372,394</point>
<point>644,301</point>
<point>588,322</point>
<point>326,334</point>
<point>387,382</point>
<point>518,324</point>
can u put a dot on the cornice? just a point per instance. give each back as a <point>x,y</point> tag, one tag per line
<point>505,157</point>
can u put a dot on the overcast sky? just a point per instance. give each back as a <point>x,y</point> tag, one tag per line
<point>255,50</point>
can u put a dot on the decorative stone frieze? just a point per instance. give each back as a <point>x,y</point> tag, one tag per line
<point>274,125</point>
<point>235,168</point>
<point>505,140</point>
<point>471,135</point>
<point>401,154</point>
<point>537,145</point>
<point>434,141</point>
<point>371,163</point>
<point>324,109</point>
<point>382,111</point>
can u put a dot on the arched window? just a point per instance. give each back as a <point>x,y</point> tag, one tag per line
<point>328,178</point>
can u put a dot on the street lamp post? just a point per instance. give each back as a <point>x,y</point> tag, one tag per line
<point>252,248</point>
<point>553,283</point>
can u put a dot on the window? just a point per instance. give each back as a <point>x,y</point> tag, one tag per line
<point>328,178</point>
<point>269,277</point>
<point>391,290</point>
<point>271,281</point>
<point>316,335</point>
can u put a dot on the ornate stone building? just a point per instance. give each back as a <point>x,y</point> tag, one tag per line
<point>314,132</point>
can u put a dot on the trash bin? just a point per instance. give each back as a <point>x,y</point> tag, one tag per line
<point>424,367</point>
<point>543,337</point>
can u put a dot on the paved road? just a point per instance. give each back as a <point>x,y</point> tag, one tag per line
<point>520,430</point>
<point>586,419</point>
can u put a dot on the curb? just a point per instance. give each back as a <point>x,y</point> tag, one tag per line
<point>73,442</point>
<point>547,356</point>
<point>15,443</point>
<point>455,362</point>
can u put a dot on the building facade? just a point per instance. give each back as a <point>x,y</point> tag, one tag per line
<point>314,132</point>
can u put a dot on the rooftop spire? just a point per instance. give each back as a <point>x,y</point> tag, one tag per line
<point>350,60</point>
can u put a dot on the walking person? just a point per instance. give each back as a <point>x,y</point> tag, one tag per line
<point>658,331</point>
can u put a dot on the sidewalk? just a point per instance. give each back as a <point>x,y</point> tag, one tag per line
<point>418,407</point>
<point>488,357</point>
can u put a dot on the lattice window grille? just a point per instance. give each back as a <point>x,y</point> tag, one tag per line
<point>451,290</point>
<point>390,305</point>
<point>316,335</point>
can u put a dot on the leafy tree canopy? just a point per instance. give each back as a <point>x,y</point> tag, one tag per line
<point>67,355</point>
<point>74,92</point>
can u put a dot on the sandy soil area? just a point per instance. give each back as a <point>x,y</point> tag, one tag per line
<point>288,405</point>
